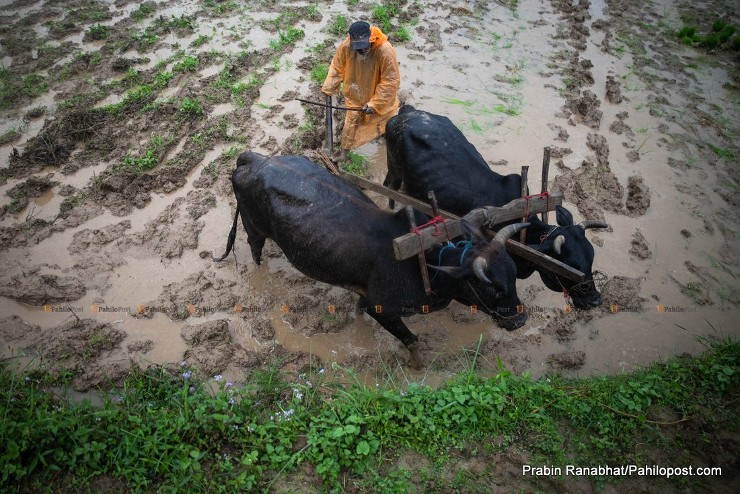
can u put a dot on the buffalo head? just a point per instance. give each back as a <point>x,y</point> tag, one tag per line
<point>485,274</point>
<point>567,242</point>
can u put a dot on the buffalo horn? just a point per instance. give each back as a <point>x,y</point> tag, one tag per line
<point>509,231</point>
<point>479,268</point>
<point>558,244</point>
<point>586,224</point>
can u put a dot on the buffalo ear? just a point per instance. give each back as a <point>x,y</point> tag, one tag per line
<point>563,216</point>
<point>471,231</point>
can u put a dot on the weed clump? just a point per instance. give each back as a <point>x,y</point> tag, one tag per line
<point>720,36</point>
<point>55,142</point>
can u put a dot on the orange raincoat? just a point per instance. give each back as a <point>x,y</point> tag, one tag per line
<point>372,79</point>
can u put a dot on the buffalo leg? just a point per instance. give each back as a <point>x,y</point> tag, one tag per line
<point>393,179</point>
<point>395,326</point>
<point>255,239</point>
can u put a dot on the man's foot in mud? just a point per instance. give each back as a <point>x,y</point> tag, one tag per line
<point>339,156</point>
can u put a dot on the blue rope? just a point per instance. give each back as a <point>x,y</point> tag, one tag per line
<point>468,244</point>
<point>439,259</point>
<point>465,245</point>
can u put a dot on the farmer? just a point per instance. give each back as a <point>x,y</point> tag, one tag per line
<point>366,62</point>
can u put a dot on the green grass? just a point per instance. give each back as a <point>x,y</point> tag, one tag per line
<point>144,11</point>
<point>237,90</point>
<point>98,32</point>
<point>339,26</point>
<point>149,157</point>
<point>355,164</point>
<point>512,106</point>
<point>174,23</point>
<point>137,96</point>
<point>220,7</point>
<point>720,36</point>
<point>14,87</point>
<point>190,107</point>
<point>141,163</point>
<point>381,16</point>
<point>169,430</point>
<point>286,38</point>
<point>187,64</point>
<point>144,40</point>
<point>721,152</point>
<point>10,135</point>
<point>131,77</point>
<point>318,73</point>
<point>162,79</point>
<point>200,41</point>
<point>403,34</point>
<point>240,88</point>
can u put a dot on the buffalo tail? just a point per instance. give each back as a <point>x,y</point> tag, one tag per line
<point>232,238</point>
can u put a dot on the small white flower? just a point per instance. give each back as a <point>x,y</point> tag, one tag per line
<point>321,371</point>
<point>183,363</point>
<point>187,374</point>
<point>228,384</point>
<point>217,377</point>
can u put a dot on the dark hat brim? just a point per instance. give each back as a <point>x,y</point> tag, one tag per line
<point>359,44</point>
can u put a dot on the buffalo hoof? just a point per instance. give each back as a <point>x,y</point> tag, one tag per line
<point>510,323</point>
<point>587,303</point>
<point>416,361</point>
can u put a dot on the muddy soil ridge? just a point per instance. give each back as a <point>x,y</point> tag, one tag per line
<point>117,144</point>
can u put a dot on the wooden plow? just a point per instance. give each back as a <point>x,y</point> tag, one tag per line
<point>446,225</point>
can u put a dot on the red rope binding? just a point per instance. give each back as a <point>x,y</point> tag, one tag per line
<point>546,195</point>
<point>434,221</point>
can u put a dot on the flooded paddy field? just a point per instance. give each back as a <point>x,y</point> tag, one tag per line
<point>121,123</point>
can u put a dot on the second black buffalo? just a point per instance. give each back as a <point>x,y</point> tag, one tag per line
<point>426,152</point>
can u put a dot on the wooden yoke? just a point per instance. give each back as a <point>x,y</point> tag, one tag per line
<point>407,246</point>
<point>422,259</point>
<point>545,172</point>
<point>523,194</point>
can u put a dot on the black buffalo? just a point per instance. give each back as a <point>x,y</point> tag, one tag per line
<point>332,232</point>
<point>426,152</point>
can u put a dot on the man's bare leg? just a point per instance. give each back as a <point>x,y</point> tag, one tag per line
<point>339,156</point>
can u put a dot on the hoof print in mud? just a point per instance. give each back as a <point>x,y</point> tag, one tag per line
<point>37,289</point>
<point>570,360</point>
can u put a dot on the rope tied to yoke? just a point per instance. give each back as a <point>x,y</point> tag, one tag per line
<point>541,195</point>
<point>435,221</point>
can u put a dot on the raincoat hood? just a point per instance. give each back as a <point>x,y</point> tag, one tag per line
<point>377,37</point>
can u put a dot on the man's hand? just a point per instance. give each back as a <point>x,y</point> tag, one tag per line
<point>368,109</point>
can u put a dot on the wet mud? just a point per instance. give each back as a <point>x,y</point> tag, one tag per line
<point>115,188</point>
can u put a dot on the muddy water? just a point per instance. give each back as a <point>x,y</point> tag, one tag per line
<point>492,73</point>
